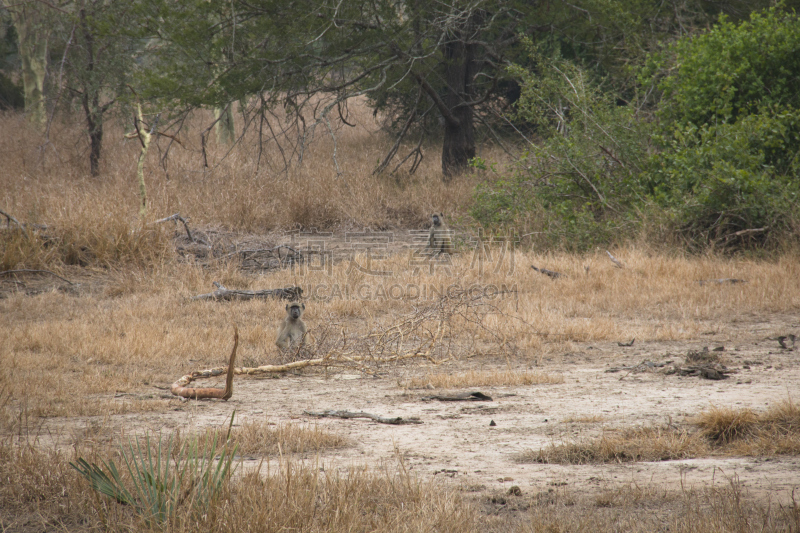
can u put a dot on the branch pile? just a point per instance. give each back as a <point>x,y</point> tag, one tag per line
<point>418,335</point>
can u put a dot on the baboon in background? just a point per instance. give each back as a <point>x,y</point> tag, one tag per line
<point>293,328</point>
<point>440,240</point>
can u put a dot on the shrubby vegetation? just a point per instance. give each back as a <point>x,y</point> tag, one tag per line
<point>715,157</point>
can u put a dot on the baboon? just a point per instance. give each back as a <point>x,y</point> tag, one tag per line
<point>293,328</point>
<point>440,240</point>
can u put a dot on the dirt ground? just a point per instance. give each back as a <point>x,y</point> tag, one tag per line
<point>457,440</point>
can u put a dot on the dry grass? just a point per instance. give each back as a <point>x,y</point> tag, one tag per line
<point>640,444</point>
<point>718,431</point>
<point>640,509</point>
<point>127,328</point>
<point>482,378</point>
<point>41,492</point>
<point>128,323</point>
<point>745,432</point>
<point>264,438</point>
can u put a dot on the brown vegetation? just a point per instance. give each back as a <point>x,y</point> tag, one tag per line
<point>718,431</point>
<point>111,339</point>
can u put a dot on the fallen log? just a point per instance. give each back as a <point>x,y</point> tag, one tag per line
<point>397,420</point>
<point>295,365</point>
<point>179,388</point>
<point>223,293</point>
<point>552,273</point>
<point>462,397</point>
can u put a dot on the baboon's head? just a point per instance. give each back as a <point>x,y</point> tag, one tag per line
<point>295,310</point>
<point>438,218</point>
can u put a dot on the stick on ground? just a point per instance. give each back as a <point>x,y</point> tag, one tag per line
<point>377,418</point>
<point>462,397</point>
<point>179,388</point>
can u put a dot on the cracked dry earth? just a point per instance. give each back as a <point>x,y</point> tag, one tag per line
<point>456,440</point>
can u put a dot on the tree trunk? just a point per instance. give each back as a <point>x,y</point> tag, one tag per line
<point>91,102</point>
<point>94,120</point>
<point>33,54</point>
<point>459,138</point>
<point>225,127</point>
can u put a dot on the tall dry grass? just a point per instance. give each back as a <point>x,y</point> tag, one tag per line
<point>41,492</point>
<point>244,188</point>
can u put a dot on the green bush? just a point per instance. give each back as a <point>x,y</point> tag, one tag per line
<point>728,72</point>
<point>728,168</point>
<point>732,185</point>
<point>579,185</point>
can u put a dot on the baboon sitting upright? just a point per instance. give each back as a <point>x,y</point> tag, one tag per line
<point>293,329</point>
<point>440,240</point>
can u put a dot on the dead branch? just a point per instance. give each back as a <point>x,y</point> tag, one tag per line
<point>546,272</point>
<point>222,293</point>
<point>177,217</point>
<point>745,232</point>
<point>377,418</point>
<point>462,397</point>
<point>10,219</point>
<point>721,281</point>
<point>36,272</point>
<point>274,251</point>
<point>179,388</point>
<point>418,335</point>
<point>626,344</point>
<point>617,262</point>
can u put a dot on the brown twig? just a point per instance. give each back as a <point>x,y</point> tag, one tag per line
<point>179,388</point>
<point>377,418</point>
<point>10,219</point>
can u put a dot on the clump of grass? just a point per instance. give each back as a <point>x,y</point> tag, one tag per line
<point>723,425</point>
<point>639,444</point>
<point>744,432</point>
<point>85,242</point>
<point>481,378</point>
<point>40,488</point>
<point>264,438</point>
<point>718,431</point>
<point>163,476</point>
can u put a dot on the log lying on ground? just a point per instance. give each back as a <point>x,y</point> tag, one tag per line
<point>179,388</point>
<point>552,273</point>
<point>397,420</point>
<point>462,397</point>
<point>222,293</point>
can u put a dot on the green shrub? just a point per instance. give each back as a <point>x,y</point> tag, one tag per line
<point>579,185</point>
<point>728,72</point>
<point>732,185</point>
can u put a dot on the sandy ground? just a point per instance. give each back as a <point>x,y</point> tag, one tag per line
<point>456,440</point>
